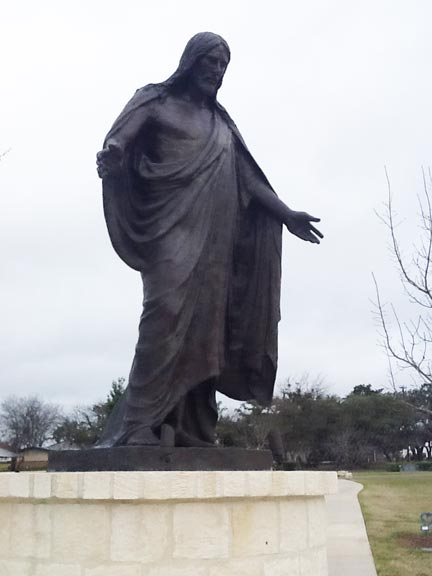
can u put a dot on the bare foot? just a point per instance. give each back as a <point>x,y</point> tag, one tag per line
<point>185,440</point>
<point>143,436</point>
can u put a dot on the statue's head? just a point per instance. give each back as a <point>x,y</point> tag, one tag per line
<point>203,63</point>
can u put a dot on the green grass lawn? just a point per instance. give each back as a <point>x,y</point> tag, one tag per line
<point>392,503</point>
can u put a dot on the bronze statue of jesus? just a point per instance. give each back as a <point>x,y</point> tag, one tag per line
<point>189,208</point>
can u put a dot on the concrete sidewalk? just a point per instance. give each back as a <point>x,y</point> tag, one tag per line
<point>349,552</point>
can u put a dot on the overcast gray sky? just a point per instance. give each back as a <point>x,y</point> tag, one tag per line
<point>324,93</point>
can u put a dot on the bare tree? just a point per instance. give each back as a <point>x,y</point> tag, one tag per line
<point>3,154</point>
<point>408,342</point>
<point>27,421</point>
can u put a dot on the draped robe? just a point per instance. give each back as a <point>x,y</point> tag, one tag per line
<point>209,257</point>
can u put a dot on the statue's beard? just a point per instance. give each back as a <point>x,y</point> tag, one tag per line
<point>209,86</point>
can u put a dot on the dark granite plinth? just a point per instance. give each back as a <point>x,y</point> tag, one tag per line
<point>128,458</point>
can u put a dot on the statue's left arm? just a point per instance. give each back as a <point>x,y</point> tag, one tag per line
<point>298,223</point>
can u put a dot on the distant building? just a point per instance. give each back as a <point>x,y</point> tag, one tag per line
<point>6,454</point>
<point>32,458</point>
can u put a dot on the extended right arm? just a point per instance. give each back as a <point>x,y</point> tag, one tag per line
<point>109,160</point>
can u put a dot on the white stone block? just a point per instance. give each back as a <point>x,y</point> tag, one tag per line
<point>184,486</point>
<point>288,483</point>
<point>127,485</point>
<point>5,529</point>
<point>80,532</point>
<point>57,570</point>
<point>178,568</point>
<point>115,570</point>
<point>42,485</point>
<point>234,485</point>
<point>65,485</point>
<point>15,567</point>
<point>318,483</point>
<point>140,533</point>
<point>21,531</point>
<point>255,526</point>
<point>314,483</point>
<point>238,567</point>
<point>314,562</point>
<point>4,484</point>
<point>201,530</point>
<point>317,521</point>
<point>293,524</point>
<point>42,531</point>
<point>97,486</point>
<point>258,483</point>
<point>331,482</point>
<point>283,566</point>
<point>157,485</point>
<point>19,484</point>
<point>30,529</point>
<point>209,485</point>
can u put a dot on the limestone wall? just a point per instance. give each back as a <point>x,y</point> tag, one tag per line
<point>164,523</point>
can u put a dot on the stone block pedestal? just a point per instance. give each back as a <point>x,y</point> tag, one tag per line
<point>257,523</point>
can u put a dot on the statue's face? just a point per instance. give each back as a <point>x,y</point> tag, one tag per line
<point>207,72</point>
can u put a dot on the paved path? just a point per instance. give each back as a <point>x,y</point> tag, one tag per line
<point>349,552</point>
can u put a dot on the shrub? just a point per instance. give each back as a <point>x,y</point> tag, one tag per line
<point>424,466</point>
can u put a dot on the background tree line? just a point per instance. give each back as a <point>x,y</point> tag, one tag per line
<point>366,427</point>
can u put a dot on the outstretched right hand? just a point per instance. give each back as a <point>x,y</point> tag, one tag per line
<point>109,160</point>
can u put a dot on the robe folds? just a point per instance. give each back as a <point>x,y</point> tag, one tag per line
<point>210,260</point>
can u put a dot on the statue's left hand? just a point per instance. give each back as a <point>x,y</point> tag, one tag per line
<point>300,224</point>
